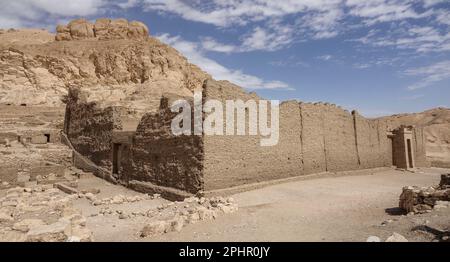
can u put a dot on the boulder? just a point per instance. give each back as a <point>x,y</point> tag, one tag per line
<point>154,228</point>
<point>206,214</point>
<point>101,27</point>
<point>12,236</point>
<point>56,232</point>
<point>27,224</point>
<point>227,209</point>
<point>81,234</point>
<point>6,216</point>
<point>81,29</point>
<point>137,29</point>
<point>373,239</point>
<point>176,224</point>
<point>94,191</point>
<point>90,196</point>
<point>420,200</point>
<point>119,199</point>
<point>23,178</point>
<point>395,237</point>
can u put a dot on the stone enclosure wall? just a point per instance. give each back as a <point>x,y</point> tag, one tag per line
<point>314,138</point>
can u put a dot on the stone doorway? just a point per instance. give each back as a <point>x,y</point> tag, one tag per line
<point>402,148</point>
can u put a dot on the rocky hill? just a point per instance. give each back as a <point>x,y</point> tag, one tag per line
<point>37,67</point>
<point>436,124</point>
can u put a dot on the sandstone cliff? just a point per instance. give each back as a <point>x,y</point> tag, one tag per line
<point>37,67</point>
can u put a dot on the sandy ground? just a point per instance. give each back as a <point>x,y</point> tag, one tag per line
<point>349,208</point>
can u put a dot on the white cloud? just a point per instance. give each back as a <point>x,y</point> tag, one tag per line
<point>40,13</point>
<point>262,39</point>
<point>377,11</point>
<point>269,30</point>
<point>431,74</point>
<point>129,4</point>
<point>361,65</point>
<point>232,12</point>
<point>325,57</point>
<point>277,24</point>
<point>428,3</point>
<point>210,44</point>
<point>422,39</point>
<point>195,54</point>
<point>443,17</point>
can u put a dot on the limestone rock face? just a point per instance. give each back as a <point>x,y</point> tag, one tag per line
<point>114,58</point>
<point>103,29</point>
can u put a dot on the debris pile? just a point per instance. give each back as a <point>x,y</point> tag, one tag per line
<point>395,237</point>
<point>174,216</point>
<point>41,214</point>
<point>115,200</point>
<point>423,199</point>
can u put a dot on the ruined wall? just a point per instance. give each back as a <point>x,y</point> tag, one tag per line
<point>159,157</point>
<point>90,128</point>
<point>237,160</point>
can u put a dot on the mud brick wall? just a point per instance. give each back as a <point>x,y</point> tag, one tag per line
<point>419,147</point>
<point>236,160</point>
<point>372,142</point>
<point>159,157</point>
<point>340,146</point>
<point>90,128</point>
<point>313,138</point>
<point>385,151</point>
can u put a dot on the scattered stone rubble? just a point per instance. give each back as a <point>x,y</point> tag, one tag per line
<point>424,199</point>
<point>169,217</point>
<point>174,216</point>
<point>41,214</point>
<point>118,199</point>
<point>395,237</point>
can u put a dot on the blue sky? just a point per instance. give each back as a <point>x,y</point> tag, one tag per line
<point>377,56</point>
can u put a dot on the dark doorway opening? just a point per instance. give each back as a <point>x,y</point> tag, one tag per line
<point>116,158</point>
<point>392,141</point>
<point>48,137</point>
<point>410,158</point>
